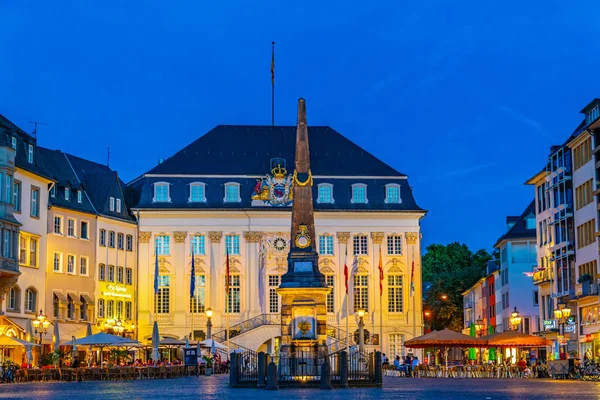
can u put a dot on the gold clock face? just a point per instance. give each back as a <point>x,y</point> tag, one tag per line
<point>279,244</point>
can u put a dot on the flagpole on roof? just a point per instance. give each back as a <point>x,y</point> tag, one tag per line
<point>273,84</point>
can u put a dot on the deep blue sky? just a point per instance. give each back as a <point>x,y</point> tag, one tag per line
<point>465,98</point>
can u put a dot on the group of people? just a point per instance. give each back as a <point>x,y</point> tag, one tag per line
<point>405,365</point>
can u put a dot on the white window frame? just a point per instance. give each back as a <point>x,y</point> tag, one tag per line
<point>84,261</point>
<point>68,193</point>
<point>360,245</point>
<point>34,203</point>
<point>60,264</point>
<point>14,143</point>
<point>232,184</point>
<point>360,298</point>
<point>234,239</point>
<point>196,245</point>
<point>74,272</point>
<point>197,184</point>
<point>118,205</point>
<point>394,245</point>
<point>74,221</point>
<point>53,191</point>
<point>165,246</point>
<point>160,184</point>
<point>79,196</point>
<point>60,225</point>
<point>358,186</point>
<point>33,307</point>
<point>30,154</point>
<point>87,233</point>
<point>387,198</point>
<point>16,195</point>
<point>326,249</point>
<point>111,204</point>
<point>325,185</point>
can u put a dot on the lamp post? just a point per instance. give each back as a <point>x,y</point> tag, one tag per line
<point>427,314</point>
<point>209,313</point>
<point>515,319</point>
<point>41,325</point>
<point>361,330</point>
<point>479,330</point>
<point>562,314</point>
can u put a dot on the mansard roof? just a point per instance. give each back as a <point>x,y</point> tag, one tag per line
<point>246,150</point>
<point>519,230</point>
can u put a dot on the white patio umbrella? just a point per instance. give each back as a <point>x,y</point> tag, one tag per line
<point>89,333</point>
<point>56,336</point>
<point>29,337</point>
<point>211,343</point>
<point>73,349</point>
<point>155,343</point>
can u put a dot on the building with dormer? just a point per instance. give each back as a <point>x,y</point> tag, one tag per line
<point>228,195</point>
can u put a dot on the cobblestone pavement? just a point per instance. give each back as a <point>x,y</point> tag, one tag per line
<point>215,387</point>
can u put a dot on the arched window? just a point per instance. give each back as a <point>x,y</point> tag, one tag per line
<point>100,308</point>
<point>197,302</point>
<point>12,303</point>
<point>31,300</point>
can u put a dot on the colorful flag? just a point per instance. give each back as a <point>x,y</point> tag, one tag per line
<point>380,273</point>
<point>226,271</point>
<point>412,279</point>
<point>273,65</point>
<point>192,276</point>
<point>346,269</point>
<point>155,270</point>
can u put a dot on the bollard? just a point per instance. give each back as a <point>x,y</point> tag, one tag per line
<point>233,369</point>
<point>378,369</point>
<point>344,369</point>
<point>272,377</point>
<point>261,369</point>
<point>326,376</point>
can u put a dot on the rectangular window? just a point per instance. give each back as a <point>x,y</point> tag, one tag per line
<point>111,239</point>
<point>83,266</point>
<point>584,194</point>
<point>70,264</point>
<point>30,300</point>
<point>393,194</point>
<point>101,308</point>
<point>129,243</point>
<point>197,245</point>
<point>112,204</point>
<point>102,238</point>
<point>274,281</point>
<point>395,294</point>
<point>589,268</point>
<point>14,143</point>
<point>79,196</point>
<point>360,245</point>
<point>17,196</point>
<point>162,245</point>
<point>67,193</point>
<point>12,300</point>
<point>128,276</point>
<point>111,273</point>
<point>53,190</point>
<point>361,292</point>
<point>394,245</point>
<point>232,244</point>
<point>120,239</point>
<point>22,250</point>
<point>325,195</point>
<point>197,301</point>
<point>84,230</point>
<point>128,310</point>
<point>119,309</point>
<point>57,262</point>
<point>119,274</point>
<point>582,154</point>
<point>161,193</point>
<point>234,294</point>
<point>196,193</point>
<point>163,304</point>
<point>35,206</point>
<point>396,345</point>
<point>83,310</point>
<point>57,224</point>
<point>110,309</point>
<point>330,282</point>
<point>232,193</point>
<point>8,190</point>
<point>33,248</point>
<point>536,298</point>
<point>30,154</point>
<point>326,245</point>
<point>585,233</point>
<point>71,227</point>
<point>7,248</point>
<point>359,194</point>
<point>101,272</point>
<point>118,205</point>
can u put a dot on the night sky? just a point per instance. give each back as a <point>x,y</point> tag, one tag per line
<point>465,98</point>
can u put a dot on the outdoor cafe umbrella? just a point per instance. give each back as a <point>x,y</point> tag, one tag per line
<point>171,343</point>
<point>103,339</point>
<point>210,343</point>
<point>514,339</point>
<point>155,343</point>
<point>472,351</point>
<point>29,337</point>
<point>73,348</point>
<point>89,333</point>
<point>56,336</point>
<point>8,341</point>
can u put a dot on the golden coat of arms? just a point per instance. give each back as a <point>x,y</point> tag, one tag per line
<point>275,189</point>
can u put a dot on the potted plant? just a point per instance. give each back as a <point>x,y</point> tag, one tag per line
<point>585,280</point>
<point>208,368</point>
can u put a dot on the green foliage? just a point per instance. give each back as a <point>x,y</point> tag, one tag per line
<point>117,354</point>
<point>451,269</point>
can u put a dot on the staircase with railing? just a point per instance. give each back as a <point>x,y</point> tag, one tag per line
<point>247,326</point>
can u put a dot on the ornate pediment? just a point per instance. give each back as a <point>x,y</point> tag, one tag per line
<point>234,265</point>
<point>326,265</point>
<point>395,265</point>
<point>199,265</point>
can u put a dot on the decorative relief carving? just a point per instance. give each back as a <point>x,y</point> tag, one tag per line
<point>377,237</point>
<point>343,237</point>
<point>215,237</point>
<point>411,237</point>
<point>179,237</point>
<point>234,265</point>
<point>327,270</point>
<point>253,237</point>
<point>394,270</point>
<point>145,237</point>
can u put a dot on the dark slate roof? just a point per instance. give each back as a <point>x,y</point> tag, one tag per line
<point>97,181</point>
<point>246,150</point>
<point>590,105</point>
<point>519,229</point>
<point>7,131</point>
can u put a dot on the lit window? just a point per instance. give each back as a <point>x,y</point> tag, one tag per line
<point>234,294</point>
<point>161,192</point>
<point>359,193</point>
<point>392,194</point>
<point>83,266</point>
<point>394,245</point>
<point>197,193</point>
<point>197,245</point>
<point>361,292</point>
<point>197,300</point>
<point>360,245</point>
<point>67,193</point>
<point>395,303</point>
<point>232,244</point>
<point>30,153</point>
<point>118,205</point>
<point>162,305</point>
<point>79,196</point>
<point>274,281</point>
<point>232,193</point>
<point>70,264</point>
<point>161,245</point>
<point>325,193</point>
<point>330,282</point>
<point>326,245</point>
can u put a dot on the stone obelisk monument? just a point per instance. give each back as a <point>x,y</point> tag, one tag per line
<point>303,290</point>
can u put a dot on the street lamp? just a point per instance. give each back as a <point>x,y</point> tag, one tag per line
<point>562,314</point>
<point>427,314</point>
<point>515,319</point>
<point>361,330</point>
<point>209,313</point>
<point>41,325</point>
<point>479,328</point>
<point>444,297</point>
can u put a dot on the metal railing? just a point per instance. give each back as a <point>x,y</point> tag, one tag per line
<point>247,326</point>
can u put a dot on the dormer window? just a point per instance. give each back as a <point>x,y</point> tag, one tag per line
<point>530,222</point>
<point>118,205</point>
<point>325,193</point>
<point>67,193</point>
<point>392,194</point>
<point>232,193</point>
<point>161,192</point>
<point>359,194</point>
<point>53,190</point>
<point>197,192</point>
<point>112,204</point>
<point>14,143</point>
<point>30,153</point>
<point>79,196</point>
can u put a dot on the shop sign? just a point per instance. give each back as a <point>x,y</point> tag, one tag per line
<point>549,324</point>
<point>117,291</point>
<point>570,328</point>
<point>571,320</point>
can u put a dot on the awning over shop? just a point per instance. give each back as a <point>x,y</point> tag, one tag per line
<point>61,297</point>
<point>87,299</point>
<point>74,298</point>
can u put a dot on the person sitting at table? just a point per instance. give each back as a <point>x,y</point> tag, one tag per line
<point>397,363</point>
<point>522,364</point>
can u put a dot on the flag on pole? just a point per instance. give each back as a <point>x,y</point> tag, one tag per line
<point>192,276</point>
<point>226,270</point>
<point>412,279</point>
<point>155,270</point>
<point>346,269</point>
<point>380,273</point>
<point>273,65</point>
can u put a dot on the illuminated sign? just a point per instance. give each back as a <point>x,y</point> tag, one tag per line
<point>117,291</point>
<point>570,328</point>
<point>549,324</point>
